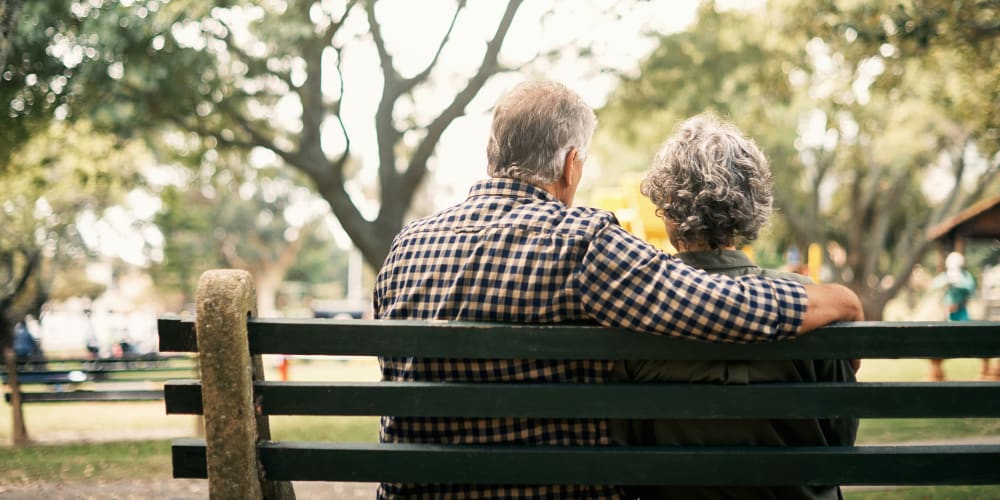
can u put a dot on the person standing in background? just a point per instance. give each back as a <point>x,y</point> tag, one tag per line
<point>90,336</point>
<point>990,295</point>
<point>959,285</point>
<point>27,350</point>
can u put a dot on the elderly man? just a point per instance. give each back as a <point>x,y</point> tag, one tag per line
<point>517,250</point>
<point>712,187</point>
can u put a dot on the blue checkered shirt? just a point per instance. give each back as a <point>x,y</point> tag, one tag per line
<point>512,252</point>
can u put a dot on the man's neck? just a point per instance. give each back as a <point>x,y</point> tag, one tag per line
<point>559,191</point>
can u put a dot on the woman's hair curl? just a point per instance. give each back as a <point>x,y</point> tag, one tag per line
<point>711,183</point>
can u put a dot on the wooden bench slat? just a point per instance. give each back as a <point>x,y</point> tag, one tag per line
<point>61,377</point>
<point>79,396</point>
<point>804,400</point>
<point>865,465</point>
<point>484,341</point>
<point>176,335</point>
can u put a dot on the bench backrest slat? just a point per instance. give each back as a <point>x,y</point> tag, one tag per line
<point>508,341</point>
<point>863,400</point>
<point>307,461</point>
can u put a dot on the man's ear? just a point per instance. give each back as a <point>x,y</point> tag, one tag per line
<point>567,171</point>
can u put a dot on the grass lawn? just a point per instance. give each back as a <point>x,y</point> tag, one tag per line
<point>150,458</point>
<point>926,492</point>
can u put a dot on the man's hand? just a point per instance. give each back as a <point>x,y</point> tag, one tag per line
<point>829,304</point>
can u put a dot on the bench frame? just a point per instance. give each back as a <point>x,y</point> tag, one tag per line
<point>240,461</point>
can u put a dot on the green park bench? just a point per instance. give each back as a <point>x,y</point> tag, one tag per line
<point>240,461</point>
<point>106,379</point>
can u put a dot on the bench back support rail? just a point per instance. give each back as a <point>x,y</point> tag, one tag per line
<point>240,461</point>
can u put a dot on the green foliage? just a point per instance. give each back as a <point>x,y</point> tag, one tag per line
<point>319,261</point>
<point>959,42</point>
<point>63,64</point>
<point>73,283</point>
<point>240,217</point>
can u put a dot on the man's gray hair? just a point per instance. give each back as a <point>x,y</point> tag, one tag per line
<point>711,182</point>
<point>535,125</point>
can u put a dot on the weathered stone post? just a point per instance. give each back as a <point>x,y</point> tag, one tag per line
<point>226,298</point>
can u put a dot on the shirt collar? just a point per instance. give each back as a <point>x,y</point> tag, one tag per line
<point>711,260</point>
<point>510,188</point>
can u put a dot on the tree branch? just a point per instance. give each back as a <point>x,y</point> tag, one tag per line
<point>10,17</point>
<point>409,83</point>
<point>418,162</point>
<point>800,222</point>
<point>882,218</point>
<point>258,139</point>
<point>389,73</point>
<point>948,205</point>
<point>32,259</point>
<point>337,167</point>
<point>252,62</point>
<point>334,27</point>
<point>313,110</point>
<point>340,163</point>
<point>228,250</point>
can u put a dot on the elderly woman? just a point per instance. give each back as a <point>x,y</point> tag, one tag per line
<point>712,187</point>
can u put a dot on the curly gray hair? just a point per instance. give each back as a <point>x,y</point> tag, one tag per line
<point>711,184</point>
<point>534,126</point>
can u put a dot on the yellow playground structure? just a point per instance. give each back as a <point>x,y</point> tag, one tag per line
<point>635,213</point>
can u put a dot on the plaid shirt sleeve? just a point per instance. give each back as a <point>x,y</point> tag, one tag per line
<point>625,282</point>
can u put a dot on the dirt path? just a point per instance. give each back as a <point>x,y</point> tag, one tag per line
<point>168,489</point>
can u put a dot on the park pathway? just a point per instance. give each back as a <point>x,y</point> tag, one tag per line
<point>168,489</point>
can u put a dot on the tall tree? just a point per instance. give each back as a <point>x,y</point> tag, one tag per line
<point>850,141</point>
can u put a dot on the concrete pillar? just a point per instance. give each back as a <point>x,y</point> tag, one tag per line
<point>225,299</point>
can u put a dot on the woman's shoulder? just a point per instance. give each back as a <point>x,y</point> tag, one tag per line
<point>796,277</point>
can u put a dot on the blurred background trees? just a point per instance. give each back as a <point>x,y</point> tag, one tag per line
<point>253,219</point>
<point>231,133</point>
<point>877,120</point>
<point>241,77</point>
<point>52,183</point>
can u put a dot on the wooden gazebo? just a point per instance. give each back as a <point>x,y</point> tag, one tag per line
<point>979,221</point>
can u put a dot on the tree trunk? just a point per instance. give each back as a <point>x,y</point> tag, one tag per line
<point>267,292</point>
<point>10,16</point>
<point>873,304</point>
<point>19,431</point>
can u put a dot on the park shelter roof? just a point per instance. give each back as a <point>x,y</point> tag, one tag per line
<point>981,220</point>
